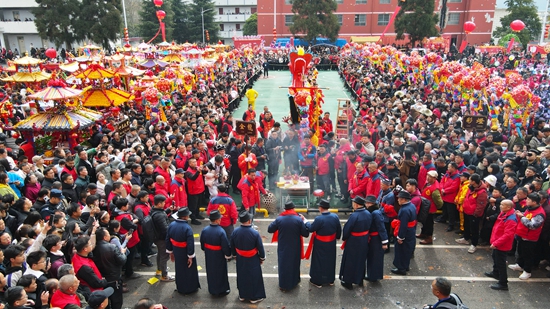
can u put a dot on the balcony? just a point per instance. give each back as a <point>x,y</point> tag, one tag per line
<point>18,27</point>
<point>10,4</point>
<point>231,18</point>
<point>235,3</point>
<point>230,34</point>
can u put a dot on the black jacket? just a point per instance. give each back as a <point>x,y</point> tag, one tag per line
<point>69,192</point>
<point>109,260</point>
<point>160,222</point>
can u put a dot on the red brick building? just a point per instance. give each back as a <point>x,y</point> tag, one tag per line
<point>368,18</point>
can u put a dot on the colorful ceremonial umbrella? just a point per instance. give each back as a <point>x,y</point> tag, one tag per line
<point>99,97</point>
<point>60,119</point>
<point>95,71</point>
<point>149,63</point>
<point>26,77</point>
<point>55,93</point>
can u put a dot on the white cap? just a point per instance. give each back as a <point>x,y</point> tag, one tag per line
<point>491,179</point>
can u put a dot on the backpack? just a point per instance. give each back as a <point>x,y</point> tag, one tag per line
<point>459,303</point>
<point>148,228</point>
<point>424,210</point>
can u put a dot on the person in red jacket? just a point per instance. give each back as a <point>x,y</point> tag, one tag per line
<point>502,238</point>
<point>340,157</point>
<point>450,185</point>
<point>527,234</point>
<point>375,176</point>
<point>85,268</point>
<point>250,192</point>
<point>160,188</point>
<point>427,165</point>
<point>322,162</point>
<point>358,183</point>
<point>349,172</point>
<point>474,206</point>
<point>247,160</point>
<point>227,208</point>
<point>328,123</point>
<point>164,170</point>
<point>177,189</point>
<point>128,222</point>
<point>195,188</point>
<point>432,192</point>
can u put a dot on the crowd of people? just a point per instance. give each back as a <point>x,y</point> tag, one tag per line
<point>70,230</point>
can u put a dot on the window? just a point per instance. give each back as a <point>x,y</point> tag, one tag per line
<point>454,18</point>
<point>253,10</point>
<point>220,11</point>
<point>360,1</point>
<point>238,27</point>
<point>288,1</point>
<point>237,10</point>
<point>385,1</point>
<point>360,19</point>
<point>383,19</point>
<point>339,1</point>
<point>455,1</point>
<point>340,19</point>
<point>221,27</point>
<point>289,20</point>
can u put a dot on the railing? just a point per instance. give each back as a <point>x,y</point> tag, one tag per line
<point>237,3</point>
<point>18,27</point>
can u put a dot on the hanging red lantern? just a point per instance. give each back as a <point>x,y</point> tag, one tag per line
<point>158,3</point>
<point>50,53</point>
<point>161,14</point>
<point>469,27</point>
<point>517,25</point>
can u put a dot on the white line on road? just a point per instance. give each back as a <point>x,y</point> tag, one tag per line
<point>269,244</point>
<point>410,278</point>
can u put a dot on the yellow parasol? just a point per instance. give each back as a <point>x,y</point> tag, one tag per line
<point>55,93</point>
<point>27,77</point>
<point>100,97</point>
<point>95,71</point>
<point>60,119</point>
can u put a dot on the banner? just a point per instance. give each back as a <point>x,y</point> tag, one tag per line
<point>462,46</point>
<point>392,18</point>
<point>510,44</point>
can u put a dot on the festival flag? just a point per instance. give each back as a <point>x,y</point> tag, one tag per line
<point>392,18</point>
<point>462,46</point>
<point>510,44</point>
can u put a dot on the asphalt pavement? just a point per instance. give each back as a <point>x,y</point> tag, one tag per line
<point>444,258</point>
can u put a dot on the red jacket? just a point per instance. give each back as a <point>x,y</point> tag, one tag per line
<point>373,185</point>
<point>358,183</point>
<point>502,236</point>
<point>177,188</point>
<point>135,235</point>
<point>227,208</point>
<point>244,166</point>
<point>70,171</point>
<point>60,299</point>
<point>351,167</point>
<point>322,163</point>
<point>181,159</point>
<point>165,175</point>
<point>249,192</point>
<point>423,172</point>
<point>531,233</point>
<point>78,262</point>
<point>195,181</point>
<point>427,193</point>
<point>162,191</point>
<point>475,201</point>
<point>450,183</point>
<point>341,156</point>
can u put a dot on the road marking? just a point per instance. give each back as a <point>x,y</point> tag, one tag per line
<point>387,277</point>
<point>338,244</point>
<point>271,220</point>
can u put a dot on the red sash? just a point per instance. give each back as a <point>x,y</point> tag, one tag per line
<point>356,234</point>
<point>212,247</point>
<point>179,244</point>
<point>395,224</point>
<point>247,253</point>
<point>275,238</point>
<point>314,236</point>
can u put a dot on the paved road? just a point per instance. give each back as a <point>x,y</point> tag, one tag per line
<point>444,258</point>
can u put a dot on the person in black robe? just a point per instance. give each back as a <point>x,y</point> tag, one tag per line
<point>248,248</point>
<point>405,231</point>
<point>378,241</point>
<point>288,229</point>
<point>181,246</point>
<point>216,249</point>
<point>356,245</point>
<point>326,230</point>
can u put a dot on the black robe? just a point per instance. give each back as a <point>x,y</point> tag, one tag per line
<point>250,282</point>
<point>323,261</point>
<point>215,245</point>
<point>180,241</point>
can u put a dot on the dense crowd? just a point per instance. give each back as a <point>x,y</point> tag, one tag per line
<point>70,230</point>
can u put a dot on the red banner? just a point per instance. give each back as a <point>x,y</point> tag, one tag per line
<point>163,29</point>
<point>462,46</point>
<point>510,44</point>
<point>392,18</point>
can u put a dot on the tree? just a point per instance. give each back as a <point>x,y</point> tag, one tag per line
<point>416,18</point>
<point>149,24</point>
<point>133,7</point>
<point>100,21</point>
<point>251,25</point>
<point>195,21</point>
<point>526,11</point>
<point>55,21</point>
<point>315,18</point>
<point>180,21</point>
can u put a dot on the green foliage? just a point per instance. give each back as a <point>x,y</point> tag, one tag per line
<point>100,21</point>
<point>503,41</point>
<point>54,20</point>
<point>180,21</point>
<point>149,23</point>
<point>315,18</point>
<point>526,11</point>
<point>416,18</point>
<point>251,25</point>
<point>195,21</point>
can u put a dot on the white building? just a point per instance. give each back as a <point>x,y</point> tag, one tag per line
<point>501,12</point>
<point>231,16</point>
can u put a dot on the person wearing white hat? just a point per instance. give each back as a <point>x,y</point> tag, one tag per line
<point>432,192</point>
<point>491,180</point>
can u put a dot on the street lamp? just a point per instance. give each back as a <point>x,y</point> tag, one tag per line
<point>202,17</point>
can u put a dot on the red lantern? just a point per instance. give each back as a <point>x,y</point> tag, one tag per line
<point>158,3</point>
<point>51,53</point>
<point>469,26</point>
<point>517,25</point>
<point>161,14</point>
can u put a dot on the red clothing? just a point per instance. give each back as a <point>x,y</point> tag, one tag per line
<point>177,188</point>
<point>502,236</point>
<point>195,181</point>
<point>323,167</point>
<point>358,183</point>
<point>78,261</point>
<point>328,124</point>
<point>165,175</point>
<point>244,166</point>
<point>527,233</point>
<point>70,171</point>
<point>341,155</point>
<point>249,192</point>
<point>450,183</point>
<point>265,126</point>
<point>423,172</point>
<point>181,159</point>
<point>427,193</point>
<point>162,191</point>
<point>135,236</point>
<point>351,167</point>
<point>227,208</point>
<point>373,184</point>
<point>60,299</point>
<point>475,201</point>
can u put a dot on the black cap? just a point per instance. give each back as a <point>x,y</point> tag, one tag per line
<point>471,167</point>
<point>465,174</point>
<point>324,204</point>
<point>98,297</point>
<point>184,212</point>
<point>214,215</point>
<point>289,205</point>
<point>244,217</point>
<point>370,199</point>
<point>180,171</point>
<point>359,200</point>
<point>404,194</point>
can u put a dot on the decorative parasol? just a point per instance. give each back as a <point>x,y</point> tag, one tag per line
<point>172,58</point>
<point>26,77</point>
<point>149,63</point>
<point>57,90</point>
<point>105,97</point>
<point>95,71</point>
<point>60,119</point>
